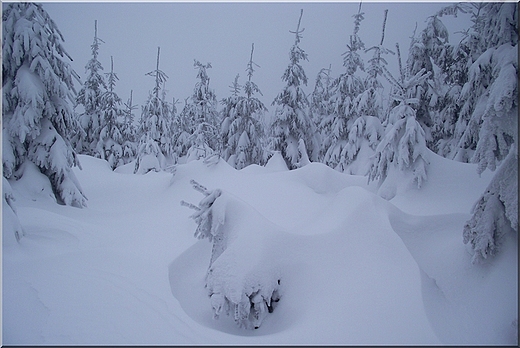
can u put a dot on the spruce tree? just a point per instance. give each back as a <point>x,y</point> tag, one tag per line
<point>154,129</point>
<point>129,131</point>
<point>245,130</point>
<point>38,92</point>
<point>89,97</point>
<point>403,146</point>
<point>110,143</point>
<point>321,106</point>
<point>493,80</point>
<point>202,115</point>
<point>291,122</point>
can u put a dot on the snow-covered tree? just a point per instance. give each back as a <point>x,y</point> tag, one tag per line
<point>129,131</point>
<point>493,77</point>
<point>346,89</point>
<point>321,106</point>
<point>291,121</point>
<point>110,143</point>
<point>182,130</point>
<point>242,280</point>
<point>89,97</point>
<point>201,113</point>
<point>229,114</point>
<point>370,101</point>
<point>403,146</point>
<point>154,129</point>
<point>494,24</point>
<point>37,94</point>
<point>242,126</point>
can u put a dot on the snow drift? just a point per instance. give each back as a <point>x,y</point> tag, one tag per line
<point>353,267</point>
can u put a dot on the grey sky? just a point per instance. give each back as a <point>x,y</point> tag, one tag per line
<point>222,33</point>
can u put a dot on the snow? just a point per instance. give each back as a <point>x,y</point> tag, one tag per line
<point>354,268</point>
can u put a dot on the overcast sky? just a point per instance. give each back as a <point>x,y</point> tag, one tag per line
<point>222,33</point>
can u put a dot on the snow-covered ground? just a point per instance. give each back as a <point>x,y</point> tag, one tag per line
<point>354,268</point>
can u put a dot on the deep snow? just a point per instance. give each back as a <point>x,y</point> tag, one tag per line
<point>355,268</point>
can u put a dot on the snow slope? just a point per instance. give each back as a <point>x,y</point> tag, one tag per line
<point>356,269</point>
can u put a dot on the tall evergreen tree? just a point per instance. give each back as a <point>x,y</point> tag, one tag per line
<point>403,146</point>
<point>110,143</point>
<point>37,93</point>
<point>370,101</point>
<point>202,115</point>
<point>291,122</point>
<point>154,129</point>
<point>346,89</point>
<point>321,106</point>
<point>129,131</point>
<point>89,97</point>
<point>245,130</point>
<point>493,87</point>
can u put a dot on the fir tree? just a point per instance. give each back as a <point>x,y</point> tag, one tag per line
<point>291,122</point>
<point>154,129</point>
<point>245,131</point>
<point>493,79</point>
<point>38,91</point>
<point>110,144</point>
<point>202,115</point>
<point>89,97</point>
<point>129,131</point>
<point>346,89</point>
<point>403,146</point>
<point>321,105</point>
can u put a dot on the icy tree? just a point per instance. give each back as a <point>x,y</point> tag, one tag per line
<point>403,146</point>
<point>202,115</point>
<point>229,114</point>
<point>155,134</point>
<point>89,97</point>
<point>291,121</point>
<point>243,130</point>
<point>110,143</point>
<point>494,25</point>
<point>370,101</point>
<point>321,105</point>
<point>243,280</point>
<point>182,130</point>
<point>496,116</point>
<point>38,91</point>
<point>346,89</point>
<point>128,131</point>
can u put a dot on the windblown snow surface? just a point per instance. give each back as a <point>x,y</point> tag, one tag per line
<point>354,267</point>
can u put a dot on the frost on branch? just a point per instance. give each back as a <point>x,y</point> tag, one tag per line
<point>243,278</point>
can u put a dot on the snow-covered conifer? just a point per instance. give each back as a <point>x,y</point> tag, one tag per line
<point>202,115</point>
<point>128,131</point>
<point>403,146</point>
<point>229,113</point>
<point>291,121</point>
<point>496,116</point>
<point>244,129</point>
<point>321,105</point>
<point>38,91</point>
<point>154,129</point>
<point>110,143</point>
<point>346,89</point>
<point>89,97</point>
<point>242,281</point>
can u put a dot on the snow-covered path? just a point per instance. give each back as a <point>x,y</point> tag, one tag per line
<point>127,269</point>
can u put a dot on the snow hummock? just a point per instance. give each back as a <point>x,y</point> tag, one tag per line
<point>354,268</point>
